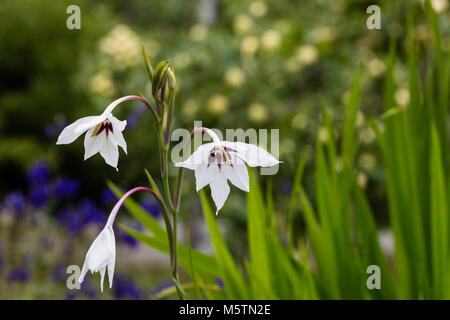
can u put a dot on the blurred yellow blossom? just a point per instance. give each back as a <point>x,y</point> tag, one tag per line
<point>198,32</point>
<point>376,67</point>
<point>323,34</point>
<point>258,8</point>
<point>367,135</point>
<point>218,104</point>
<point>190,108</point>
<point>102,83</point>
<point>299,121</point>
<point>234,77</point>
<point>439,5</point>
<point>257,112</point>
<point>249,45</point>
<point>367,161</point>
<point>323,134</point>
<point>271,39</point>
<point>362,180</point>
<point>359,119</point>
<point>123,45</point>
<point>307,54</point>
<point>402,97</point>
<point>242,23</point>
<point>292,65</point>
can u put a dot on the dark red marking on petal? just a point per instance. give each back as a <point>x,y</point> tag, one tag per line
<point>101,129</point>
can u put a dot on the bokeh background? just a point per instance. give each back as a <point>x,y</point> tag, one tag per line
<point>239,64</point>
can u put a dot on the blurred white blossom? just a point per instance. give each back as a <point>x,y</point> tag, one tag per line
<point>307,54</point>
<point>234,77</point>
<point>242,23</point>
<point>258,8</point>
<point>123,45</point>
<point>271,39</point>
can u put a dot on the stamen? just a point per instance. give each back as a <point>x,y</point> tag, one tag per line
<point>229,149</point>
<point>105,125</point>
<point>97,129</point>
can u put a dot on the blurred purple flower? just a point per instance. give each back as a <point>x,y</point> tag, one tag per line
<point>59,272</point>
<point>125,288</point>
<point>151,206</point>
<point>15,201</point>
<point>107,197</point>
<point>89,290</point>
<point>39,196</point>
<point>71,295</point>
<point>286,186</point>
<point>19,275</point>
<point>54,129</point>
<point>135,115</point>
<point>38,174</point>
<point>48,243</point>
<point>164,284</point>
<point>74,219</point>
<point>125,238</point>
<point>66,187</point>
<point>219,282</point>
<point>91,213</point>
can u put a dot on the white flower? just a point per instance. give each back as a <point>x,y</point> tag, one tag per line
<point>102,252</point>
<point>217,162</point>
<point>101,255</point>
<point>104,134</point>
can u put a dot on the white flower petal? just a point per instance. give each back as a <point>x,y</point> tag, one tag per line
<point>111,270</point>
<point>205,174</point>
<point>219,191</point>
<point>110,152</point>
<point>199,157</point>
<point>119,139</point>
<point>237,174</point>
<point>117,124</point>
<point>252,154</point>
<point>83,272</point>
<point>101,254</point>
<point>92,145</point>
<point>68,135</point>
<point>91,123</point>
<point>102,277</point>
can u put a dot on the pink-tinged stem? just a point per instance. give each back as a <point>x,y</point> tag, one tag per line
<point>112,215</point>
<point>211,133</point>
<point>115,103</point>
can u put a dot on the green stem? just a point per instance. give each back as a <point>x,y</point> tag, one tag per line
<point>175,278</point>
<point>177,194</point>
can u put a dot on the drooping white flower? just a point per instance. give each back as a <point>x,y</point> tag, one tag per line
<point>101,256</point>
<point>219,161</point>
<point>103,134</point>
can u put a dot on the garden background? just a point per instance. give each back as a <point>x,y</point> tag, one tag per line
<point>311,69</point>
